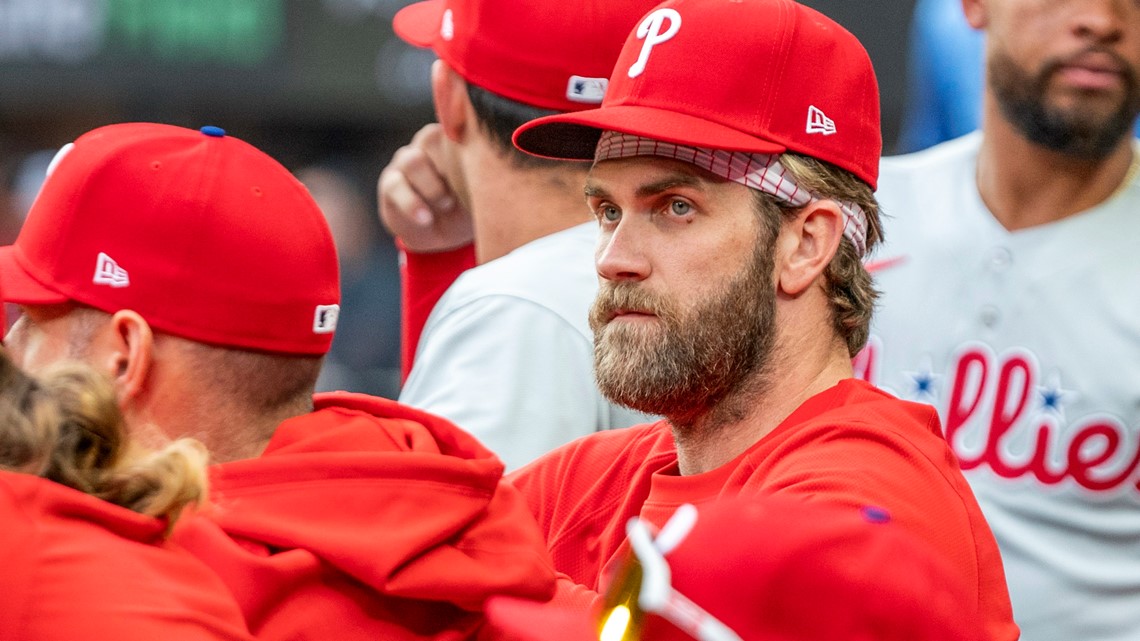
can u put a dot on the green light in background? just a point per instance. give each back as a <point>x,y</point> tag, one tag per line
<point>231,32</point>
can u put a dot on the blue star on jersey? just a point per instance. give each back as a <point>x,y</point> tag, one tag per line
<point>1054,397</point>
<point>924,380</point>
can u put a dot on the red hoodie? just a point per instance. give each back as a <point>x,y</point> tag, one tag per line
<point>76,567</point>
<point>367,519</point>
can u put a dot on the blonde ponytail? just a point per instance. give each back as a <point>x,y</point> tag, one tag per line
<point>66,426</point>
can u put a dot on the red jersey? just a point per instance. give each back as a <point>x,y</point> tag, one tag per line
<point>77,567</point>
<point>366,519</point>
<point>425,276</point>
<point>851,444</point>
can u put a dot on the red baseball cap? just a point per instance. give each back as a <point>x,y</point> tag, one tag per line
<point>772,569</point>
<point>552,55</point>
<point>203,235</point>
<point>760,76</point>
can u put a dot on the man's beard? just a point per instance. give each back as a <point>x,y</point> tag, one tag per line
<point>684,363</point>
<point>1075,131</point>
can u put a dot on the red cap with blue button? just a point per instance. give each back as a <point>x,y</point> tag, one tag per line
<point>202,234</point>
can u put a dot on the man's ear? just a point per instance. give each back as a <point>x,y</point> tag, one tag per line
<point>449,93</point>
<point>128,353</point>
<point>977,13</point>
<point>806,245</point>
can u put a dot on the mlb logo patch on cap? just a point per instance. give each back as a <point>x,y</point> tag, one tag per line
<point>586,90</point>
<point>324,321</point>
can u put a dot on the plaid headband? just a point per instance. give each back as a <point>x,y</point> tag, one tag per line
<point>762,172</point>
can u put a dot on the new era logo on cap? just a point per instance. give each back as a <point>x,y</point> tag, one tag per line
<point>108,272</point>
<point>818,123</point>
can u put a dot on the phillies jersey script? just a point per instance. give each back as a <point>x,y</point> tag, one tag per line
<point>1028,344</point>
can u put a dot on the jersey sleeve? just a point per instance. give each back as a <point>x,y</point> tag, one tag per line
<point>425,276</point>
<point>511,372</point>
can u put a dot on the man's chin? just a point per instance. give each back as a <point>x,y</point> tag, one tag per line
<point>1081,128</point>
<point>1086,112</point>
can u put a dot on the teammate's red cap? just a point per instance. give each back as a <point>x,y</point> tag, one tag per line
<point>762,76</point>
<point>543,53</point>
<point>203,235</point>
<point>774,569</point>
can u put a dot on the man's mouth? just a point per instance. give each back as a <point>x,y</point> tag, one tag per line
<point>631,314</point>
<point>1093,71</point>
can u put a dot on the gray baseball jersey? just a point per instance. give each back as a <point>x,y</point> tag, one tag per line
<point>1028,343</point>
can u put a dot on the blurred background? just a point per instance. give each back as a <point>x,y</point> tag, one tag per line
<point>324,86</point>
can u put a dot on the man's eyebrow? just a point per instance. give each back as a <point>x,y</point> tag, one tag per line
<point>593,190</point>
<point>665,184</point>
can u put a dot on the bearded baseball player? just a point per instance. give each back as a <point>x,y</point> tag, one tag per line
<point>734,160</point>
<point>1007,305</point>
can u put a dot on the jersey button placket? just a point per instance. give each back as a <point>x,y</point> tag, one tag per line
<point>1001,258</point>
<point>997,263</point>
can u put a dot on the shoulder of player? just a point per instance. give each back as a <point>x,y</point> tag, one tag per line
<point>51,507</point>
<point>483,324</point>
<point>928,165</point>
<point>864,417</point>
<point>561,285</point>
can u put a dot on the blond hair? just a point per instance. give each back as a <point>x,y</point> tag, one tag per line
<point>847,282</point>
<point>66,426</point>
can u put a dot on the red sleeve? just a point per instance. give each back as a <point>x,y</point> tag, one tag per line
<point>425,276</point>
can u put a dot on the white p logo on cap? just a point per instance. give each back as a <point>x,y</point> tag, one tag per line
<point>650,31</point>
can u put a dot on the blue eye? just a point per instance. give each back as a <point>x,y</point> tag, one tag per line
<point>680,208</point>
<point>609,213</point>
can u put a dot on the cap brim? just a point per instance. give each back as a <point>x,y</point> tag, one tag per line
<point>20,287</point>
<point>418,24</point>
<point>522,620</point>
<point>574,136</point>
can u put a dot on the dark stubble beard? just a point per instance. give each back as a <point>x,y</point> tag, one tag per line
<point>1076,132</point>
<point>687,362</point>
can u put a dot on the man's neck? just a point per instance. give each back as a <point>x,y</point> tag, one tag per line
<point>1024,184</point>
<point>228,432</point>
<point>799,370</point>
<point>512,206</point>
